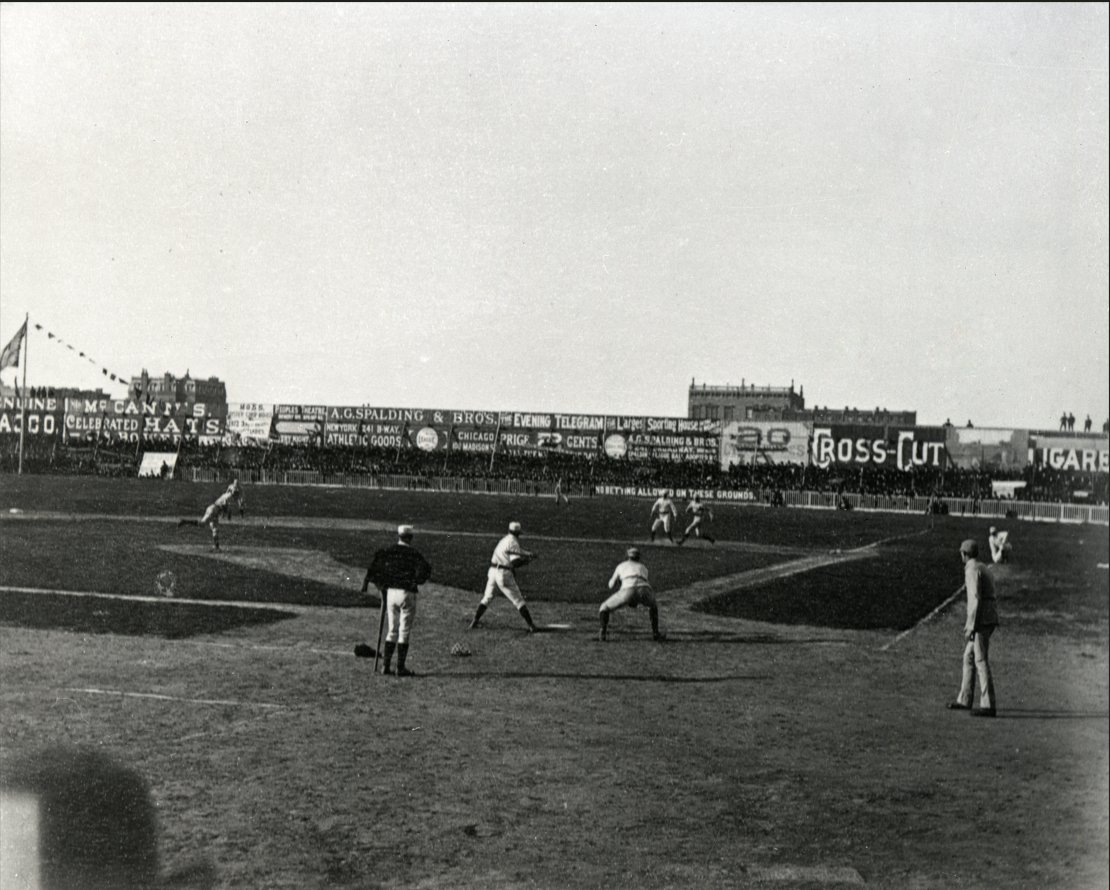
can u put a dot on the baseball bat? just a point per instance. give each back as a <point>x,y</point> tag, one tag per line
<point>381,628</point>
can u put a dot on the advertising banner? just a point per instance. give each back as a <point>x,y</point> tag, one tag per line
<point>249,423</point>
<point>764,442</point>
<point>299,424</point>
<point>43,417</point>
<point>1086,453</point>
<point>440,429</point>
<point>130,420</point>
<point>680,494</point>
<point>987,448</point>
<point>901,448</point>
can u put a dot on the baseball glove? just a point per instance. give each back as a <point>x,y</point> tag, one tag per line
<point>362,650</point>
<point>166,583</point>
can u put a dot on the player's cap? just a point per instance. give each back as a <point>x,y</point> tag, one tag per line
<point>514,527</point>
<point>969,547</point>
<point>633,553</point>
<point>993,529</point>
<point>404,531</point>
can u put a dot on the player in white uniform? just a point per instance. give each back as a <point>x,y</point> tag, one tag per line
<point>219,507</point>
<point>1000,545</point>
<point>508,556</point>
<point>663,515</point>
<point>631,588</point>
<point>699,512</point>
<point>560,498</point>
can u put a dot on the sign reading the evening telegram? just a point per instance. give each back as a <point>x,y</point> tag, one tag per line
<point>1084,453</point>
<point>764,442</point>
<point>900,448</point>
<point>662,438</point>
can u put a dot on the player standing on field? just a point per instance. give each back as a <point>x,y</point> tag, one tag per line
<point>398,572</point>
<point>508,556</point>
<point>663,515</point>
<point>699,512</point>
<point>560,498</point>
<point>631,588</point>
<point>979,626</point>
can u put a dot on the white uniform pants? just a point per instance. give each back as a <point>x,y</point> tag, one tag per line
<point>640,595</point>
<point>503,580</point>
<point>400,607</point>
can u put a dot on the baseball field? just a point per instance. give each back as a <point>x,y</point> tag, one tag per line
<point>790,732</point>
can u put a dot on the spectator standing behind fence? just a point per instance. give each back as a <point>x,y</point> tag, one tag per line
<point>1071,422</point>
<point>1087,424</point>
<point>980,624</point>
<point>1064,421</point>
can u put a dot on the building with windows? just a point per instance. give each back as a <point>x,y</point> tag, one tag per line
<point>750,402</point>
<point>168,388</point>
<point>744,402</point>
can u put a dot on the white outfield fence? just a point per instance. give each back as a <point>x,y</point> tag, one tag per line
<point>1034,511</point>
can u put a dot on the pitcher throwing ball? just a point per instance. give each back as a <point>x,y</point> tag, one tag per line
<point>630,581</point>
<point>508,556</point>
<point>219,507</point>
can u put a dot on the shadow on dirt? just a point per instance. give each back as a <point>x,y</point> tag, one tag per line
<point>112,615</point>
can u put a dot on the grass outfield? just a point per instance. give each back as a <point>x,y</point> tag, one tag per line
<point>784,736</point>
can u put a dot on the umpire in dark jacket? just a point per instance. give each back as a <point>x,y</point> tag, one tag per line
<point>398,572</point>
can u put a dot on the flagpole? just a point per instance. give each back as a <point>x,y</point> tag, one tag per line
<point>23,395</point>
<point>496,442</point>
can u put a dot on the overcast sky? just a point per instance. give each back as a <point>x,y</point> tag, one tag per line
<point>565,207</point>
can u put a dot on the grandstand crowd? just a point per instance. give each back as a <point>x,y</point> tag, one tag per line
<point>582,473</point>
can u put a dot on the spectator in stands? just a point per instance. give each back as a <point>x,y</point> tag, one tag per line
<point>1071,422</point>
<point>969,423</point>
<point>1087,424</point>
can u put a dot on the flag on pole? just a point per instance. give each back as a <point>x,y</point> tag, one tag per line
<point>9,358</point>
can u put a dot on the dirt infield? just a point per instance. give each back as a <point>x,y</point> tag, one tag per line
<point>738,753</point>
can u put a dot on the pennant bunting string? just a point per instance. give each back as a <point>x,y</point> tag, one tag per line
<point>50,335</point>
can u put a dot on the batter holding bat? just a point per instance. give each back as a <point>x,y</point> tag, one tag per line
<point>508,556</point>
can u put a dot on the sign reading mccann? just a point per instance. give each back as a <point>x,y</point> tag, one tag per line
<point>116,419</point>
<point>877,446</point>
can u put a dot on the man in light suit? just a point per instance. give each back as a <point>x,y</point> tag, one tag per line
<point>982,619</point>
